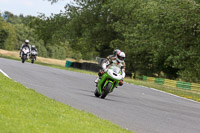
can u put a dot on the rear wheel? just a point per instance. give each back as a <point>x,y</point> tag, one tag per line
<point>106,90</point>
<point>96,93</point>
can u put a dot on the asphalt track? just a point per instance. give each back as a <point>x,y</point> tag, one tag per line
<point>136,108</point>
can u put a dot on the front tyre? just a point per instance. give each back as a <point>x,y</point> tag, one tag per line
<point>106,90</point>
<point>23,58</point>
<point>96,93</point>
<point>32,61</point>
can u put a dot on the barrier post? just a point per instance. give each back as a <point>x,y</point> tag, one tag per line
<point>68,64</point>
<point>159,81</point>
<point>144,78</point>
<point>133,75</point>
<point>183,85</point>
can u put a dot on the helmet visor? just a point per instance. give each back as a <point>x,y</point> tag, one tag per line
<point>121,58</point>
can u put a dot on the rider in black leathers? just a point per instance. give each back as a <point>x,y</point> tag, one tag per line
<point>25,44</point>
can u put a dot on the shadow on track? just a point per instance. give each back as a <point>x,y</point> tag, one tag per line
<point>91,94</point>
<point>112,95</point>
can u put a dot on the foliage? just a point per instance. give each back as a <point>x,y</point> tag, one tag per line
<point>15,29</point>
<point>90,32</point>
<point>7,36</point>
<point>160,37</point>
<point>56,52</point>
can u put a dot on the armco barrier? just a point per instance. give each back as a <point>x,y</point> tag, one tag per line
<point>173,83</point>
<point>150,79</point>
<point>76,65</point>
<point>88,66</point>
<point>195,87</point>
<point>85,66</point>
<point>170,83</point>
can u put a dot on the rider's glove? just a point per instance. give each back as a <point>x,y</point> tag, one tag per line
<point>121,83</point>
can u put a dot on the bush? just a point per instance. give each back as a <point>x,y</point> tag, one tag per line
<point>42,51</point>
<point>8,36</point>
<point>57,52</point>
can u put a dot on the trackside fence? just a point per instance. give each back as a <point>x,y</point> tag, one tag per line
<point>172,83</point>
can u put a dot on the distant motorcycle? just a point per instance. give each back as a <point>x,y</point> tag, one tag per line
<point>108,81</point>
<point>33,56</point>
<point>25,54</point>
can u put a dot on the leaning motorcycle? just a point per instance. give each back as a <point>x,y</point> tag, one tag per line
<point>108,81</point>
<point>25,53</point>
<point>33,56</point>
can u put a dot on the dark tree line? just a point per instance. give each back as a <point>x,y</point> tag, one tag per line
<point>160,37</point>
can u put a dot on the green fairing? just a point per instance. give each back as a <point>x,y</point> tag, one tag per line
<point>105,79</point>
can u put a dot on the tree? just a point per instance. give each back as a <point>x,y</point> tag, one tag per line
<point>7,36</point>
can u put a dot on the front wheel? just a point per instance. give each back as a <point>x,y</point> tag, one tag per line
<point>23,58</point>
<point>32,61</point>
<point>106,90</point>
<point>96,93</point>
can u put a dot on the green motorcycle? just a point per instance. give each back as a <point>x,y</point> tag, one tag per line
<point>108,81</point>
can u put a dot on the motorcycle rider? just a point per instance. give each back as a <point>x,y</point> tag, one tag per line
<point>25,44</point>
<point>33,48</point>
<point>117,60</point>
<point>109,57</point>
<point>115,52</point>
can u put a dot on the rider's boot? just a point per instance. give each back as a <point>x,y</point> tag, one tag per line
<point>96,80</point>
<point>121,82</point>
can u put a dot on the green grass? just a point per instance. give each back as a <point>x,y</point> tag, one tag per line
<point>10,57</point>
<point>23,110</point>
<point>179,92</point>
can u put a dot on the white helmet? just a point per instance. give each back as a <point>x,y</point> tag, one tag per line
<point>26,41</point>
<point>33,46</point>
<point>120,57</point>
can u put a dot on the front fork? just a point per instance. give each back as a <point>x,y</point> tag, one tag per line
<point>105,84</point>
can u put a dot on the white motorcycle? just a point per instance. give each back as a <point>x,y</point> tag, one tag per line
<point>25,54</point>
<point>33,56</point>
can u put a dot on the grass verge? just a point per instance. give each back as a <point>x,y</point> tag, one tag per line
<point>179,92</point>
<point>23,110</point>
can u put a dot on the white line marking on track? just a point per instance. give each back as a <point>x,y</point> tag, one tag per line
<point>4,73</point>
<point>171,94</point>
